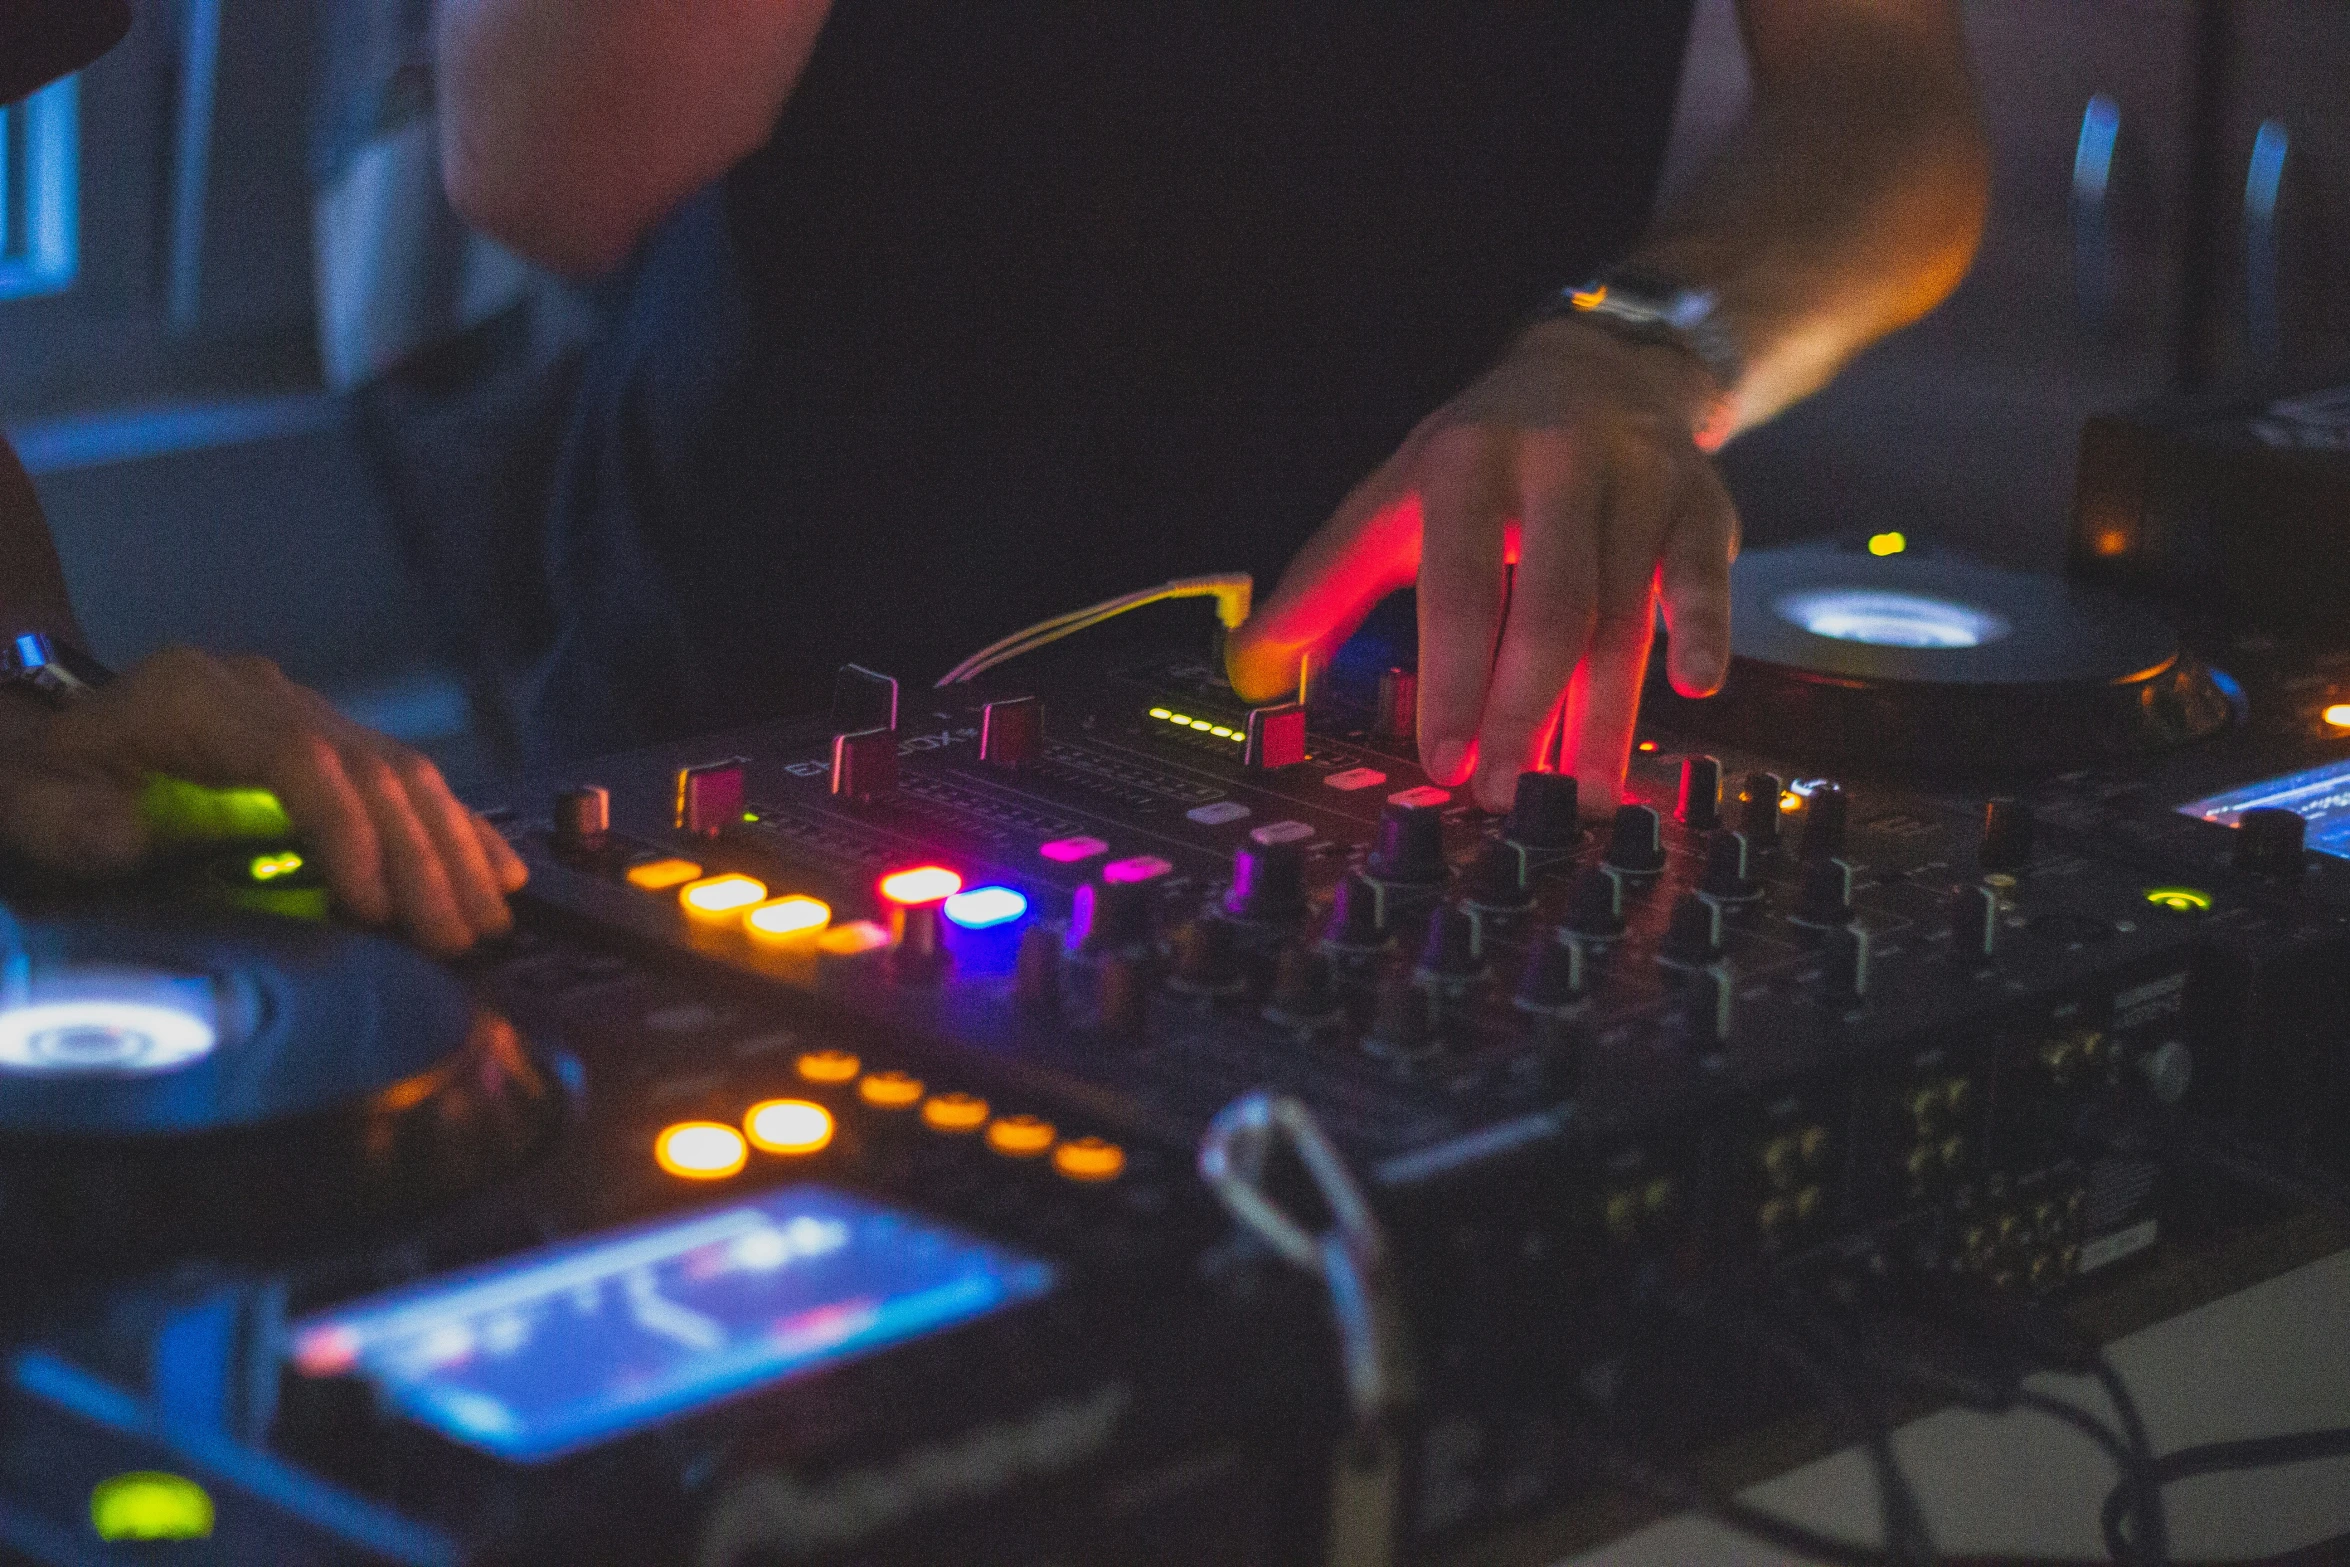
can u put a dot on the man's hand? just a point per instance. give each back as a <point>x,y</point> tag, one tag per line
<point>1576,460</point>
<point>397,847</point>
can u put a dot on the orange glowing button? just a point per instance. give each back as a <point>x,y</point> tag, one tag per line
<point>956,1113</point>
<point>2113,541</point>
<point>829,1066</point>
<point>1019,1136</point>
<point>795,918</point>
<point>1089,1159</point>
<point>922,884</point>
<point>846,941</point>
<point>1648,745</point>
<point>2337,716</point>
<point>1790,802</point>
<point>791,1126</point>
<point>890,1090</point>
<point>661,875</point>
<point>700,1150</point>
<point>714,897</point>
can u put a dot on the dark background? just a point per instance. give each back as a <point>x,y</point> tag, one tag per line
<point>204,486</point>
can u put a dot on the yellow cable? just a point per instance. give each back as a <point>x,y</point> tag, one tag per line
<point>1230,590</point>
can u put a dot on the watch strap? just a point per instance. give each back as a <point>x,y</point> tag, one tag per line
<point>51,669</point>
<point>1650,308</point>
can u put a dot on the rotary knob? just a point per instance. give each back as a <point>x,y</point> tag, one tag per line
<point>1844,973</point>
<point>1450,951</point>
<point>2007,835</point>
<point>1543,812</point>
<point>1595,905</point>
<point>1728,876</point>
<point>1700,806</point>
<point>1402,1027</point>
<point>1302,994</point>
<point>1411,845</point>
<point>1112,915</point>
<point>1635,845</point>
<point>583,821</point>
<point>1207,959</point>
<point>1824,812</point>
<point>2271,841</point>
<point>1693,932</point>
<point>1268,883</point>
<point>1559,972</point>
<point>1758,809</point>
<point>1353,925</point>
<point>1974,920</point>
<point>1036,976</point>
<point>1122,992</point>
<point>1497,878</point>
<point>1825,897</point>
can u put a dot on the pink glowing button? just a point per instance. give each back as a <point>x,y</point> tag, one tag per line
<point>1426,794</point>
<point>1356,778</point>
<point>1143,867</point>
<point>1068,851</point>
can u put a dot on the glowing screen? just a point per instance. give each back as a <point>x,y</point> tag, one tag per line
<point>2320,796</point>
<point>1889,619</point>
<point>549,1352</point>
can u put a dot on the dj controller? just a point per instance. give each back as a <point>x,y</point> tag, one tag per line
<point>1077,1117</point>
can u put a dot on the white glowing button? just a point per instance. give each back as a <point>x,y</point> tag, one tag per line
<point>787,918</point>
<point>1218,813</point>
<point>1883,619</point>
<point>1068,851</point>
<point>1426,794</point>
<point>1356,778</point>
<point>1143,867</point>
<point>102,1037</point>
<point>1280,832</point>
<point>984,907</point>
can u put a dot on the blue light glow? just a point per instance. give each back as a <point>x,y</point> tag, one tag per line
<point>983,908</point>
<point>2320,796</point>
<point>1889,619</point>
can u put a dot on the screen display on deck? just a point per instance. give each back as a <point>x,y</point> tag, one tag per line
<point>554,1350</point>
<point>2319,795</point>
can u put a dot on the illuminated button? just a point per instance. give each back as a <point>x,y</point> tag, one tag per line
<point>149,1504</point>
<point>1887,543</point>
<point>1143,867</point>
<point>1280,832</point>
<point>272,867</point>
<point>983,908</point>
<point>1160,712</point>
<point>661,875</point>
<point>1216,813</point>
<point>716,896</point>
<point>701,1150</point>
<point>785,919</point>
<point>1647,745</point>
<point>1426,794</point>
<point>1068,851</point>
<point>1355,778</point>
<point>791,1126</point>
<point>829,1066</point>
<point>922,884</point>
<point>954,1112</point>
<point>2337,716</point>
<point>2179,900</point>
<point>846,941</point>
<point>890,1090</point>
<point>1089,1159</point>
<point>1019,1136</point>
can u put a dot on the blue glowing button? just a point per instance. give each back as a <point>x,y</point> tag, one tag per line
<point>983,908</point>
<point>558,1349</point>
<point>1884,618</point>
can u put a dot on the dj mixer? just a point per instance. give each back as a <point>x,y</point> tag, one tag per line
<point>1077,1117</point>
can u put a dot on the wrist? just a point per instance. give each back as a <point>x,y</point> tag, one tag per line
<point>1647,306</point>
<point>1675,382</point>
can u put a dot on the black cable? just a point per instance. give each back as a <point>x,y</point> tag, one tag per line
<point>2152,1543</point>
<point>2258,1452</point>
<point>1908,1539</point>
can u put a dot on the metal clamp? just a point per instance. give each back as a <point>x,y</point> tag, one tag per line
<point>1352,1261</point>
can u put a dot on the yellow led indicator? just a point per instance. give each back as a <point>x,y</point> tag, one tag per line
<point>1176,718</point>
<point>700,1150</point>
<point>829,1066</point>
<point>2179,900</point>
<point>1089,1159</point>
<point>269,867</point>
<point>2337,716</point>
<point>890,1090</point>
<point>1202,725</point>
<point>1019,1136</point>
<point>791,1126</point>
<point>1887,543</point>
<point>788,918</point>
<point>954,1112</point>
<point>1160,712</point>
<point>719,895</point>
<point>148,1504</point>
<point>1220,732</point>
<point>661,875</point>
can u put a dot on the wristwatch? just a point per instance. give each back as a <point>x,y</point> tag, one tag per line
<point>1649,307</point>
<point>50,670</point>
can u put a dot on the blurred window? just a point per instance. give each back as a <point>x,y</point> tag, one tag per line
<point>40,173</point>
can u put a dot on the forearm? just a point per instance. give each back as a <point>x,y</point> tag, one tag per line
<point>569,127</point>
<point>32,584</point>
<point>1847,204</point>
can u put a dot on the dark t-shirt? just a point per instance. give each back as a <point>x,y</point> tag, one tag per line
<point>41,40</point>
<point>1029,303</point>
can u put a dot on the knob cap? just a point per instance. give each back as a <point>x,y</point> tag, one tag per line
<point>2007,835</point>
<point>1693,933</point>
<point>918,956</point>
<point>1758,809</point>
<point>1826,894</point>
<point>1011,732</point>
<point>1398,712</point>
<point>1595,905</point>
<point>1122,992</point>
<point>1728,877</point>
<point>1559,972</point>
<point>1402,1025</point>
<point>1497,878</point>
<point>2271,841</point>
<point>1635,846</point>
<point>1450,950</point>
<point>1543,814</point>
<point>1974,920</point>
<point>1112,915</point>
<point>1700,808</point>
<point>1354,916</point>
<point>1824,814</point>
<point>1036,977</point>
<point>1302,994</point>
<point>1844,976</point>
<point>1411,845</point>
<point>1712,992</point>
<point>583,819</point>
<point>1207,958</point>
<point>1268,883</point>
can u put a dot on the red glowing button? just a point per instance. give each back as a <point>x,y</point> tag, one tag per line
<point>922,884</point>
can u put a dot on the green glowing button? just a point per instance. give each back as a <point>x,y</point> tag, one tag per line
<point>2179,900</point>
<point>148,1504</point>
<point>176,811</point>
<point>272,867</point>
